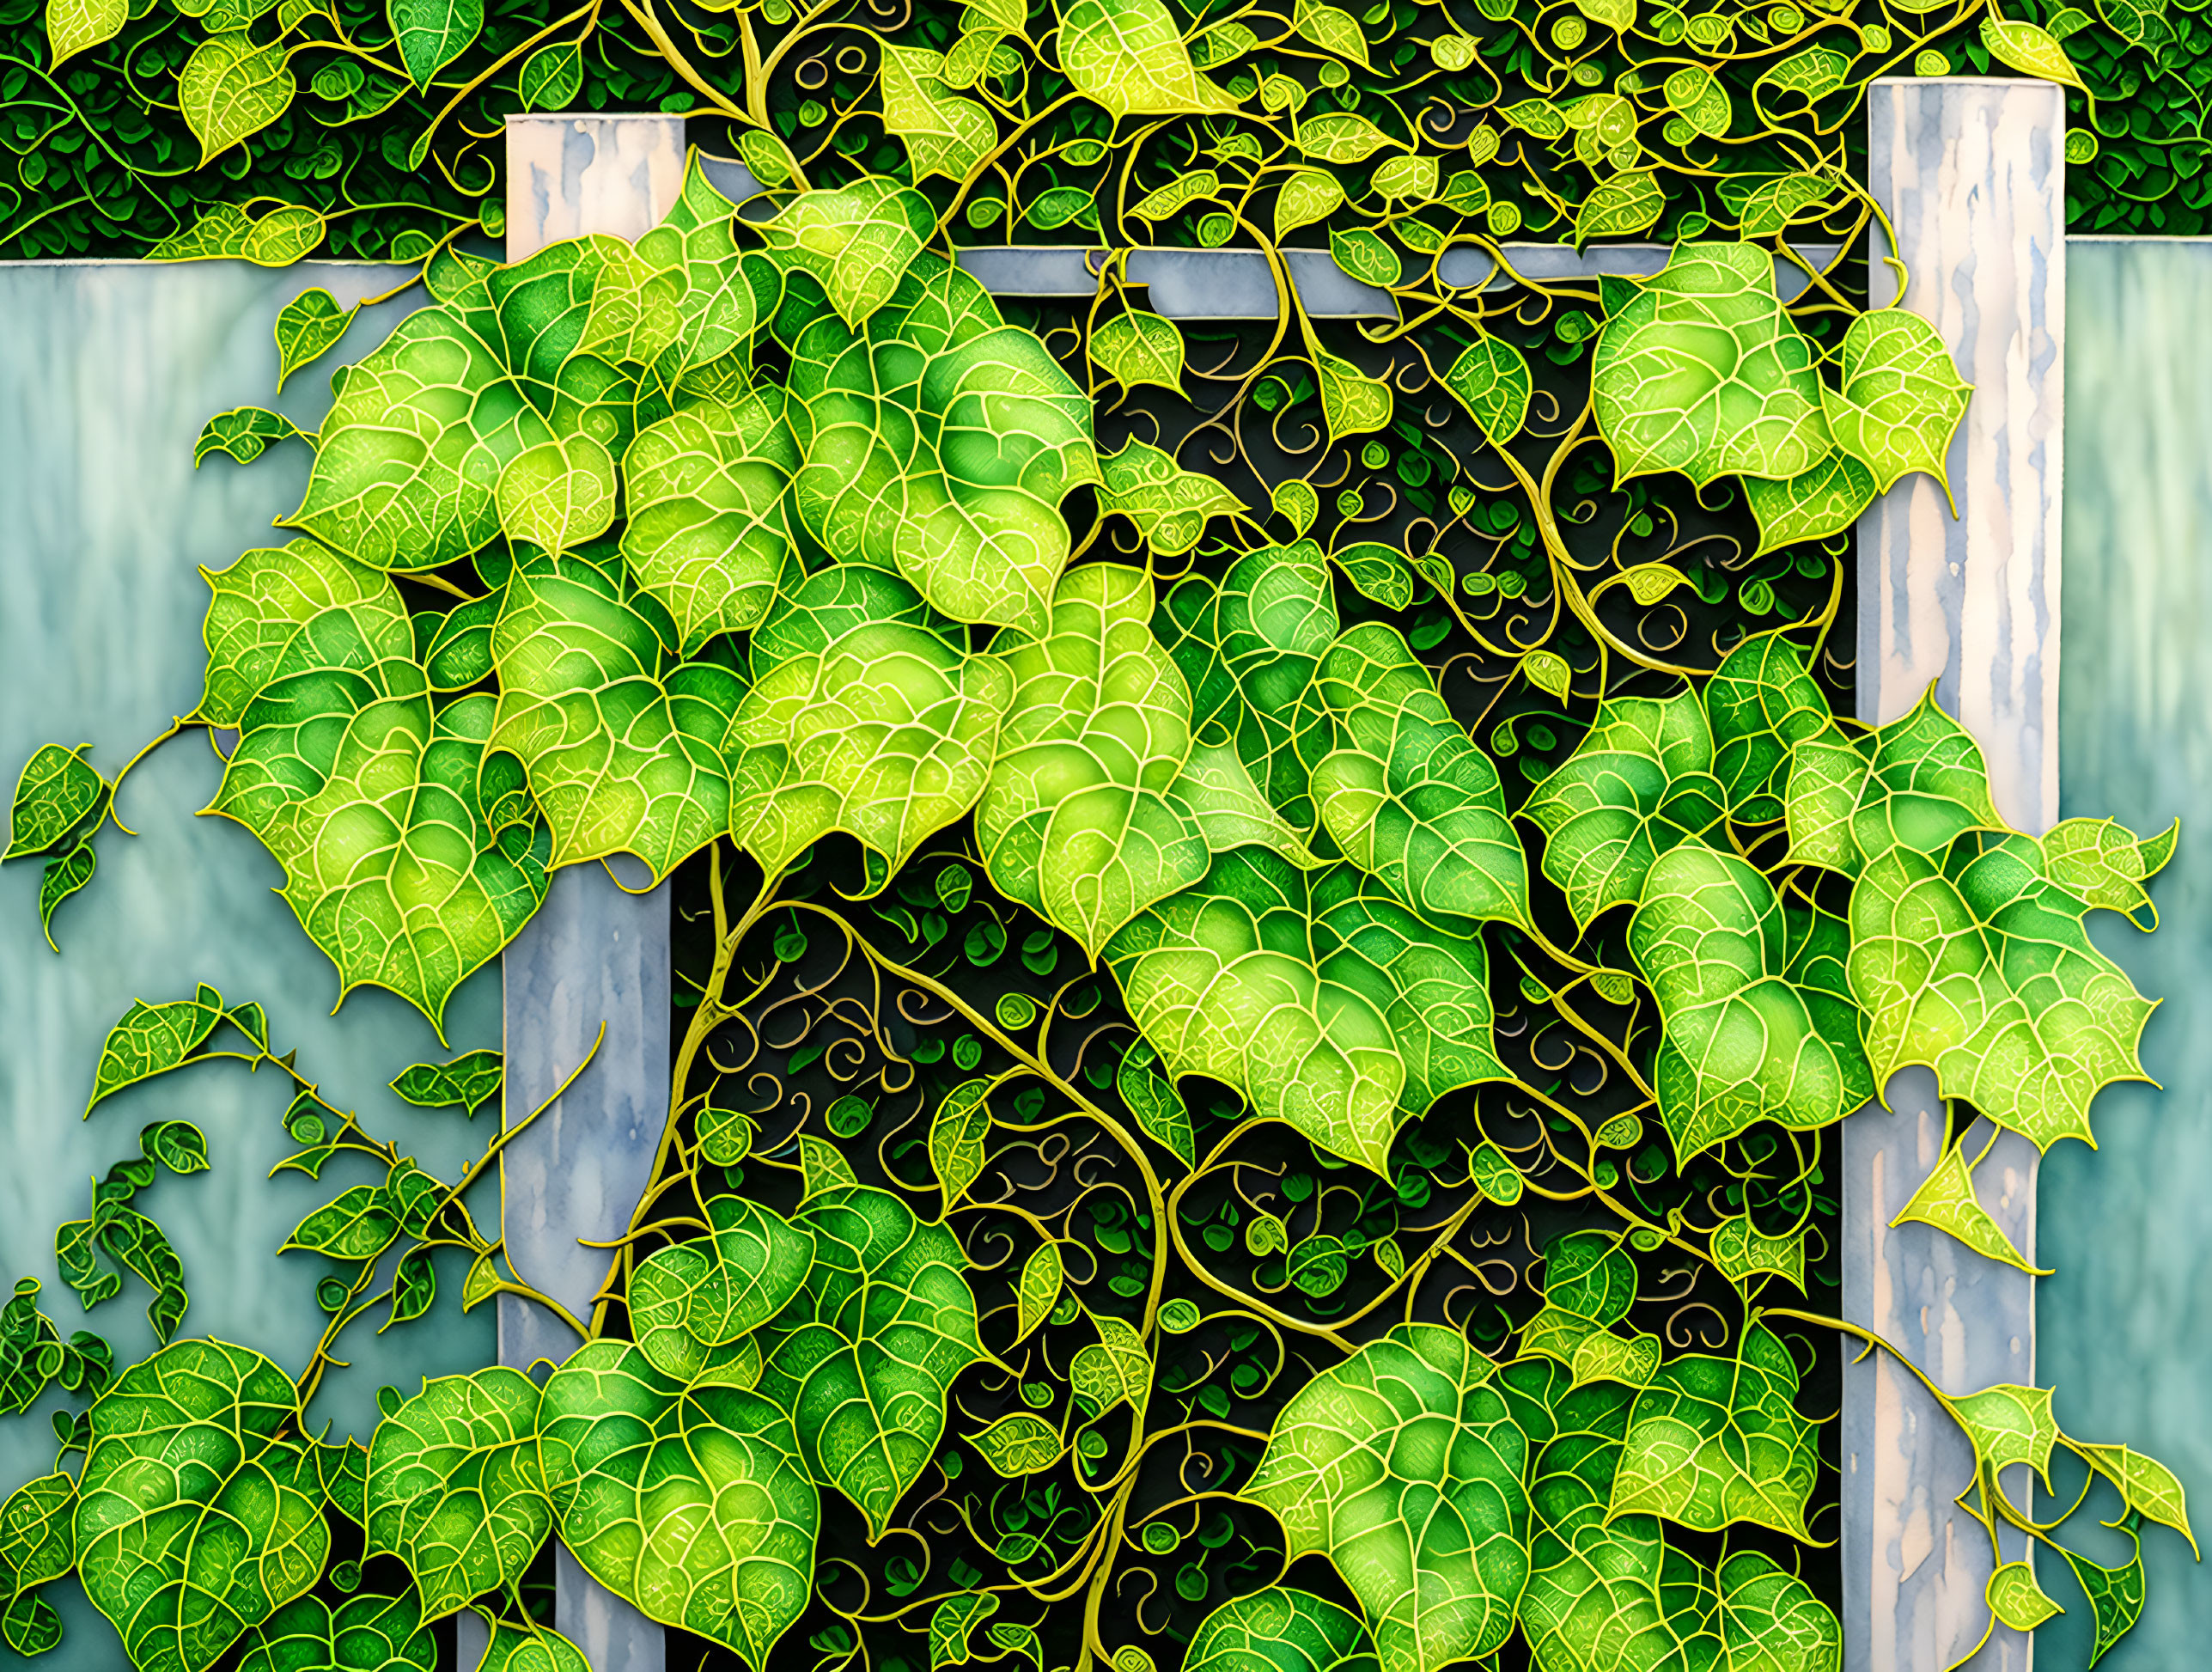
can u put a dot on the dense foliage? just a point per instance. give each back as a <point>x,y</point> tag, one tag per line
<point>272,128</point>
<point>1262,1004</point>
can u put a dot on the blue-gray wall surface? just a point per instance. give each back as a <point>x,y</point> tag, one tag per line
<point>2123,1331</point>
<point>107,373</point>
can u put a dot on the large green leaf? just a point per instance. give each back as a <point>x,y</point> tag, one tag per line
<point>709,530</point>
<point>1715,1440</point>
<point>200,1513</point>
<point>688,1299</point>
<point>1759,1025</point>
<point>409,460</point>
<point>1917,782</point>
<point>455,1487</point>
<point>1128,56</point>
<point>1317,996</point>
<point>693,1504</point>
<point>56,788</point>
<point>273,597</point>
<point>623,746</point>
<point>1605,1596</point>
<point>1249,649</point>
<point>867,715</point>
<point>1079,823</point>
<point>938,442</point>
<point>365,1633</point>
<point>1901,397</point>
<point>1761,704</point>
<point>863,1358</point>
<point>1280,1630</point>
<point>1639,784</point>
<point>1701,372</point>
<point>945,133</point>
<point>1403,1467</point>
<point>1976,964</point>
<point>1406,795</point>
<point>858,242</point>
<point>393,867</point>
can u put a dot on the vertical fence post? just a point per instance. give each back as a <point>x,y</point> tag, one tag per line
<point>594,952</point>
<point>1972,175</point>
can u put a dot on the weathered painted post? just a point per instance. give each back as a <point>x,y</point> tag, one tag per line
<point>595,953</point>
<point>1971,175</point>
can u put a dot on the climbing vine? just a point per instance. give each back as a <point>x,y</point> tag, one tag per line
<point>1262,1007</point>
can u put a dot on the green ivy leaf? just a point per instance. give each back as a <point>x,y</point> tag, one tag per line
<point>557,494</point>
<point>1770,1621</point>
<point>1306,196</point>
<point>945,134</point>
<point>432,33</point>
<point>1979,966</point>
<point>1918,782</point>
<point>244,433</point>
<point>1620,207</point>
<point>1021,1444</point>
<point>689,1299</point>
<point>38,1534</point>
<point>1701,372</point>
<point>77,25</point>
<point>455,1487</point>
<point>1639,784</point>
<point>1902,397</point>
<point>1152,1099</point>
<point>1364,255</point>
<point>1946,1200</point>
<point>1280,1630</point>
<point>56,788</point>
<point>1403,1467</point>
<point>1713,1441</point>
<point>1038,1289</point>
<point>539,1649</point>
<point>364,1634</point>
<point>2115,1594</point>
<point>30,1626</point>
<point>709,530</point>
<point>2010,1424</point>
<point>1350,402</point>
<point>2032,51</point>
<point>1128,58</point>
<point>1742,1252</point>
<point>858,242</point>
<point>551,77</point>
<point>2150,1488</point>
<point>1407,796</point>
<point>359,1224</point>
<point>1169,505</point>
<point>467,1083</point>
<point>1816,71</point>
<point>1372,1018</point>
<point>153,1039</point>
<point>1759,1025</point>
<point>1114,1368</point>
<point>939,444</point>
<point>957,1134</point>
<point>867,715</point>
<point>1140,347</point>
<point>1079,821</point>
<point>693,1504</point>
<point>1492,381</point>
<point>1341,137</point>
<point>394,868</point>
<point>274,598</point>
<point>2015,1598</point>
<point>623,746</point>
<point>230,87</point>
<point>1819,503</point>
<point>1761,704</point>
<point>199,1512</point>
<point>864,1356</point>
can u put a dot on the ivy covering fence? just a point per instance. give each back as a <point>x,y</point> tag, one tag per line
<point>1273,919</point>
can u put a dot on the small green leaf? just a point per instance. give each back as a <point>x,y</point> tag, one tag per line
<point>38,1535</point>
<point>308,326</point>
<point>1946,1200</point>
<point>1712,1440</point>
<point>1169,505</point>
<point>1620,207</point>
<point>1129,58</point>
<point>1741,1251</point>
<point>432,33</point>
<point>552,76</point>
<point>1145,1086</point>
<point>153,1039</point>
<point>690,1301</point>
<point>858,241</point>
<point>1343,138</point>
<point>244,433</point>
<point>1295,500</point>
<point>1022,1444</point>
<point>1548,671</point>
<point>1139,347</point>
<point>1038,1289</point>
<point>952,1626</point>
<point>359,1224</point>
<point>1819,503</point>
<point>60,877</point>
<point>1365,257</point>
<point>30,1626</point>
<point>2023,46</point>
<point>1307,196</point>
<point>1816,72</point>
<point>957,1135</point>
<point>230,88</point>
<point>1352,403</point>
<point>2010,1424</point>
<point>74,26</point>
<point>55,789</point>
<point>2150,1487</point>
<point>1171,200</point>
<point>1493,1175</point>
<point>1492,381</point>
<point>2015,1598</point>
<point>1902,397</point>
<point>1114,1368</point>
<point>2115,1594</point>
<point>467,1083</point>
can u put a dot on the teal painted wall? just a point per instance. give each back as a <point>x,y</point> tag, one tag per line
<point>2123,1331</point>
<point>106,375</point>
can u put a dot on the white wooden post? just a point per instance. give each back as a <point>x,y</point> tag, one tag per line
<point>1972,175</point>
